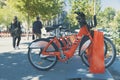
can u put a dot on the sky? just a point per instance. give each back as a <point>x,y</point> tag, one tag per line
<point>104,3</point>
<point>111,3</point>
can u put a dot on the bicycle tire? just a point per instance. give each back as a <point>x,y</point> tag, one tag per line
<point>108,58</point>
<point>35,57</point>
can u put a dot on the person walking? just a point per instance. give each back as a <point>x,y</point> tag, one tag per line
<point>15,30</point>
<point>37,26</point>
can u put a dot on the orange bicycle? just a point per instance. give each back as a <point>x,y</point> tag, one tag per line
<point>44,53</point>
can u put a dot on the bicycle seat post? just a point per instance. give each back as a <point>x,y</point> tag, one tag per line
<point>58,33</point>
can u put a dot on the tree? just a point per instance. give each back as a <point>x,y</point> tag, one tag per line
<point>47,9</point>
<point>116,36</point>
<point>86,6</point>
<point>8,12</point>
<point>2,3</point>
<point>106,17</point>
<point>109,14</point>
<point>117,19</point>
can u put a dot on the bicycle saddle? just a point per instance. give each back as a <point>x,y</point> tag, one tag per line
<point>51,28</point>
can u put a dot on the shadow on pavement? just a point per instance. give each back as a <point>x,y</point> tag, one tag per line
<point>115,68</point>
<point>15,66</point>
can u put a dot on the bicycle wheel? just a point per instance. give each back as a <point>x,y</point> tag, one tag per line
<point>109,53</point>
<point>37,59</point>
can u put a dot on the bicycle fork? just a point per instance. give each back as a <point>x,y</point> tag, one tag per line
<point>84,44</point>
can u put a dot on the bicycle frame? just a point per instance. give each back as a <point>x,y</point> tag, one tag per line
<point>70,52</point>
<point>43,53</point>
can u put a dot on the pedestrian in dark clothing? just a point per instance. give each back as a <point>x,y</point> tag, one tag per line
<point>37,26</point>
<point>15,30</point>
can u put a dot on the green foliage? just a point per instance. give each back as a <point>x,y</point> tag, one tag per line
<point>27,9</point>
<point>106,18</point>
<point>46,8</point>
<point>117,29</point>
<point>2,3</point>
<point>117,20</point>
<point>86,6</point>
<point>8,11</point>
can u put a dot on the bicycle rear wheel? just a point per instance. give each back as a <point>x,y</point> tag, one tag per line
<point>37,59</point>
<point>109,53</point>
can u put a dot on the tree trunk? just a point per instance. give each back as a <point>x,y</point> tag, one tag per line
<point>28,27</point>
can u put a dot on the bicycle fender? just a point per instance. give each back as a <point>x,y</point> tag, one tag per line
<point>35,43</point>
<point>84,44</point>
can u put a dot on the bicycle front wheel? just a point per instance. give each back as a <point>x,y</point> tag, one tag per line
<point>109,53</point>
<point>37,59</point>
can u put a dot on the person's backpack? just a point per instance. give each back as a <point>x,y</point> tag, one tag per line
<point>15,31</point>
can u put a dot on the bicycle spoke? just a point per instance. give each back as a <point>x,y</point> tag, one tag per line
<point>37,59</point>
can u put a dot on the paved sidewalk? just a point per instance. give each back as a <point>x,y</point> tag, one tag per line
<point>6,44</point>
<point>14,65</point>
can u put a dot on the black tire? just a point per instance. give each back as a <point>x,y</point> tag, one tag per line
<point>109,52</point>
<point>39,61</point>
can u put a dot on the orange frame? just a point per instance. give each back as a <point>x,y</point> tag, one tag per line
<point>70,52</point>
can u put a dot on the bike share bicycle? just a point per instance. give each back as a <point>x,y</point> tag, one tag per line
<point>44,53</point>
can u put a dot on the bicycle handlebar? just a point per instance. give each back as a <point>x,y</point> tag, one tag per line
<point>81,19</point>
<point>81,14</point>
